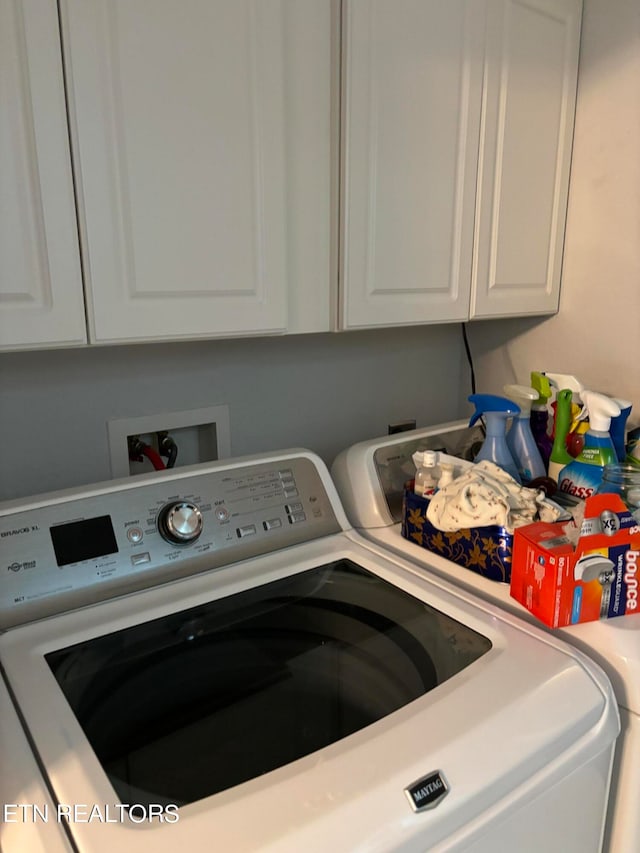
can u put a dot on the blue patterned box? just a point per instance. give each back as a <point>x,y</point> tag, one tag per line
<point>485,550</point>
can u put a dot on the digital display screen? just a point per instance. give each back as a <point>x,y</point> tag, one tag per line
<point>83,540</point>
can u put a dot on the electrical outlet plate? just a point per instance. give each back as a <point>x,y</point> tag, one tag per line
<point>401,426</point>
<point>202,435</point>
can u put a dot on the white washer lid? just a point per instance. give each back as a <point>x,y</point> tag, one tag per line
<point>613,643</point>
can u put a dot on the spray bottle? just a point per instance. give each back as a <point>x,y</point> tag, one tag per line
<point>582,476</point>
<point>539,419</point>
<point>560,456</point>
<point>633,447</point>
<point>574,437</point>
<point>495,411</point>
<point>520,439</point>
<point>577,432</point>
<point>618,427</point>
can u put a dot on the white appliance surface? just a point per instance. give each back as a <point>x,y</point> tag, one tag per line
<point>508,731</point>
<point>367,476</point>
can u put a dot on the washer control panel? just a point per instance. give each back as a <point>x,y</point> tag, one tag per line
<point>114,538</point>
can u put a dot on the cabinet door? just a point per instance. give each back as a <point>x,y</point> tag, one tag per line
<point>525,155</point>
<point>41,302</point>
<point>179,122</point>
<point>412,98</point>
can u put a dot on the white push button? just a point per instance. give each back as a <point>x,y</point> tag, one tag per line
<point>246,530</point>
<point>272,523</point>
<point>138,559</point>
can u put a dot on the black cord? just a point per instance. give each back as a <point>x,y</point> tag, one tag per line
<point>469,357</point>
<point>467,348</point>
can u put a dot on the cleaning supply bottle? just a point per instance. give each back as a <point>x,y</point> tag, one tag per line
<point>574,438</point>
<point>560,456</point>
<point>539,418</point>
<point>520,439</point>
<point>577,432</point>
<point>447,474</point>
<point>496,411</point>
<point>427,472</point>
<point>582,476</point>
<point>618,427</point>
<point>633,447</point>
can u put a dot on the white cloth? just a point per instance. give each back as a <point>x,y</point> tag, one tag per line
<point>485,495</point>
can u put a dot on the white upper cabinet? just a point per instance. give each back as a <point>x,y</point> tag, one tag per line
<point>525,155</point>
<point>249,167</point>
<point>188,120</point>
<point>457,129</point>
<point>41,301</point>
<point>411,119</point>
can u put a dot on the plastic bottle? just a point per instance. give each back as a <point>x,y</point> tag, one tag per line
<point>427,472</point>
<point>574,438</point>
<point>560,456</point>
<point>520,439</point>
<point>576,434</point>
<point>633,447</point>
<point>447,474</point>
<point>568,439</point>
<point>559,381</point>
<point>496,411</point>
<point>582,477</point>
<point>618,427</point>
<point>539,418</point>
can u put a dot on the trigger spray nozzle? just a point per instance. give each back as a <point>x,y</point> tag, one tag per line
<point>492,404</point>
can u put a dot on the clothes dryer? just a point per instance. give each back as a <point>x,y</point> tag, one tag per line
<point>370,478</point>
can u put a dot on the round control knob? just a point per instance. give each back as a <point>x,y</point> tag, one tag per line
<point>180,522</point>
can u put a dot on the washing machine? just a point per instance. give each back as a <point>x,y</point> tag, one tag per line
<point>211,659</point>
<point>370,478</point>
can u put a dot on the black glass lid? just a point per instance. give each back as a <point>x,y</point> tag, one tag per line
<point>185,706</point>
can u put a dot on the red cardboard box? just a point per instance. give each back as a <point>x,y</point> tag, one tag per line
<point>596,580</point>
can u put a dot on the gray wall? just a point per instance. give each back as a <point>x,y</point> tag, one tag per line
<point>324,392</point>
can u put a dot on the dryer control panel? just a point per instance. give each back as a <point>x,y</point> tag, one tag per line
<point>106,540</point>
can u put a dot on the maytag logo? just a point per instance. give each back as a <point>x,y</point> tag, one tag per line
<point>427,792</point>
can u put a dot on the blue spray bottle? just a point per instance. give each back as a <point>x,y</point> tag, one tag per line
<point>520,440</point>
<point>582,477</point>
<point>495,411</point>
<point>618,427</point>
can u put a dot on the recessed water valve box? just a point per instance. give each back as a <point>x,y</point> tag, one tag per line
<point>201,435</point>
